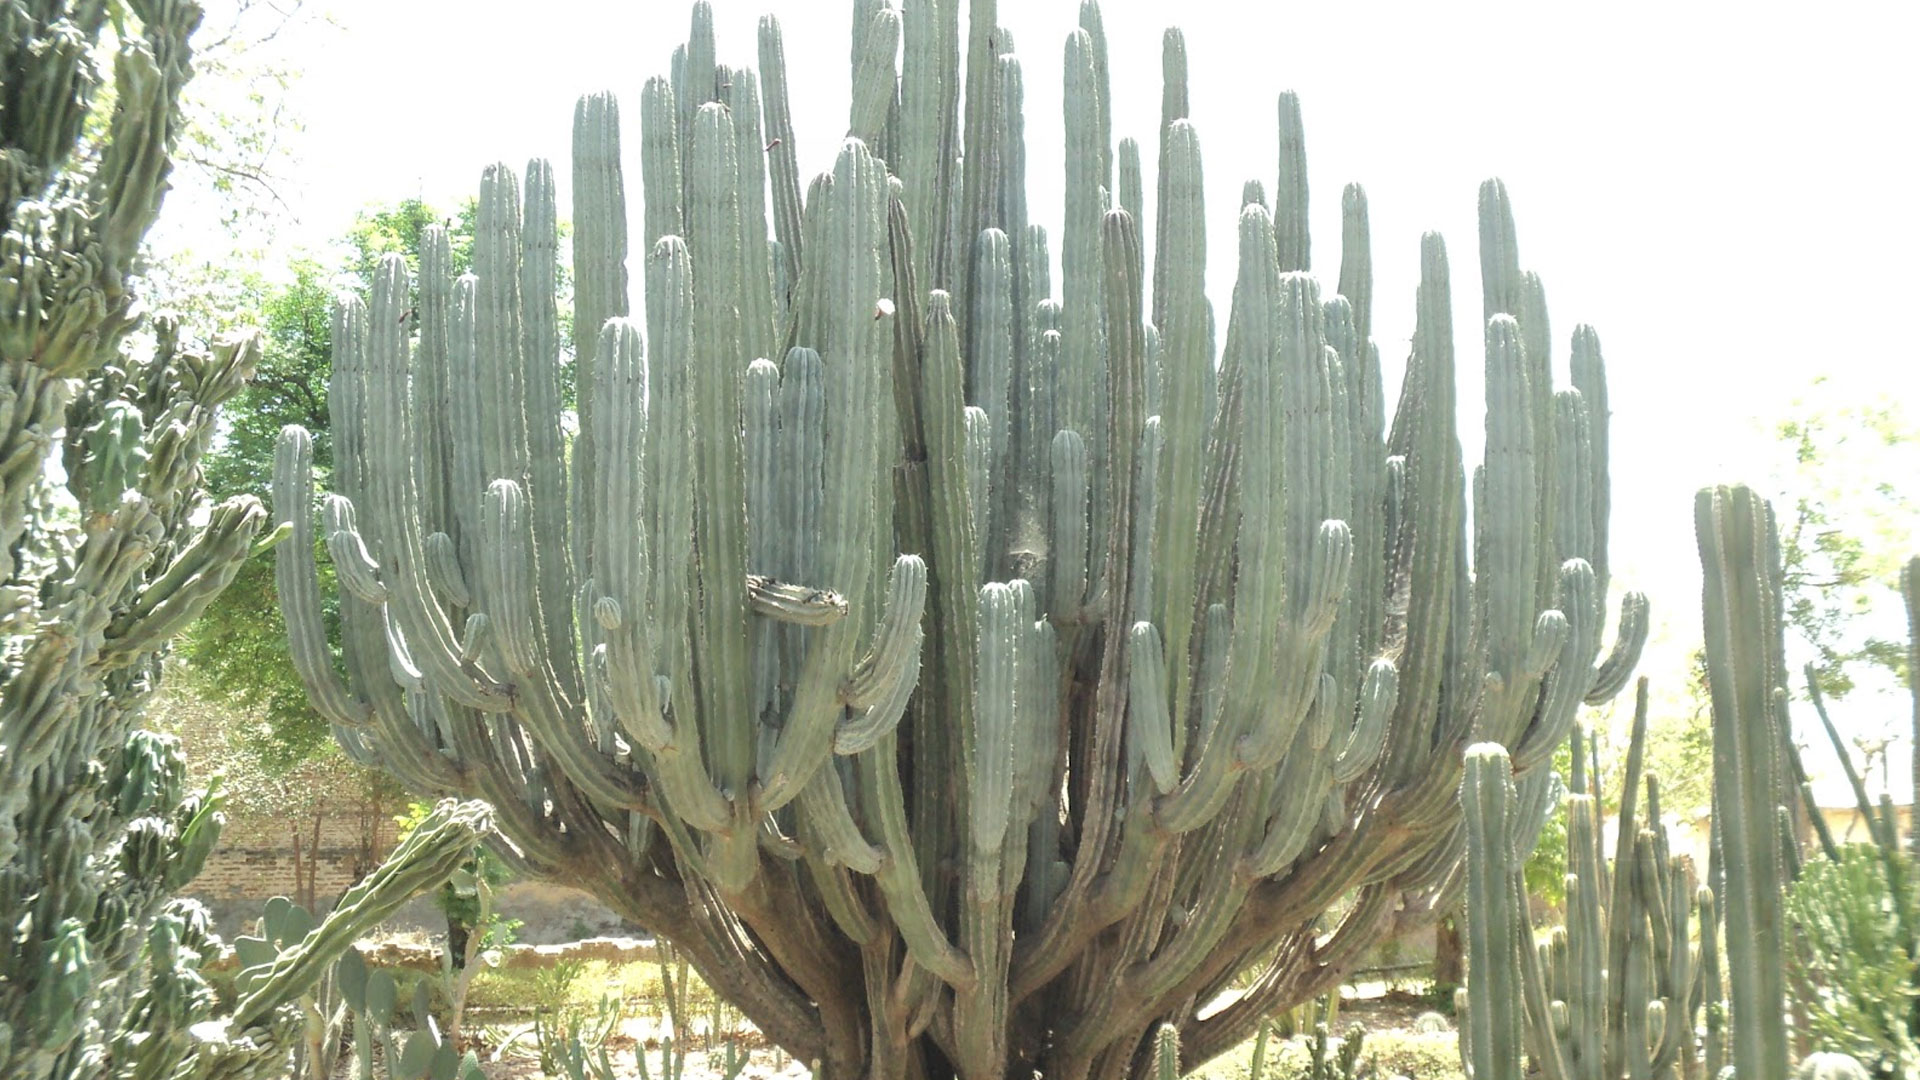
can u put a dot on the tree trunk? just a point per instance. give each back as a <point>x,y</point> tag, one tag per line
<point>1449,967</point>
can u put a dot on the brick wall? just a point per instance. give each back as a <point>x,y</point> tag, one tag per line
<point>259,857</point>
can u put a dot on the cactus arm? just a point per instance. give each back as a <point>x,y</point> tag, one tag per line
<point>1186,404</point>
<point>722,671</point>
<point>1510,546</point>
<point>1737,551</point>
<point>1068,543</point>
<point>1565,682</point>
<point>600,282</point>
<point>1629,638</point>
<point>1081,397</point>
<point>427,856</point>
<point>783,167</point>
<point>621,573</point>
<point>922,140</point>
<point>1423,433</point>
<point>189,583</point>
<point>992,752</point>
<point>1150,728</point>
<point>1369,734</point>
<point>547,479</point>
<point>897,640</point>
<point>296,579</point>
<point>1492,1036</point>
<point>822,802</point>
<point>874,78</point>
<point>1290,192</point>
<point>898,876</point>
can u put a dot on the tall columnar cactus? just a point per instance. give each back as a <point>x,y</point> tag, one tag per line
<point>1910,590</point>
<point>96,572</point>
<point>1739,552</point>
<point>969,680</point>
<point>1616,991</point>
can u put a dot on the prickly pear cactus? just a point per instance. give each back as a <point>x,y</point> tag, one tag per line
<point>106,545</point>
<point>970,676</point>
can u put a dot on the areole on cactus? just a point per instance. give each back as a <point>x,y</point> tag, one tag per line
<point>969,681</point>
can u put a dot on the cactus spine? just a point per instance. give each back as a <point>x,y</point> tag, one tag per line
<point>968,679</point>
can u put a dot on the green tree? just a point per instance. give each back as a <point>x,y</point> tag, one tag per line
<point>1848,514</point>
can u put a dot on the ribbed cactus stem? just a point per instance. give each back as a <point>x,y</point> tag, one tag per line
<point>1910,590</point>
<point>1498,931</point>
<point>1739,554</point>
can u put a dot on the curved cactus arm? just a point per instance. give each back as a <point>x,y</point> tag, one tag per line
<point>1566,684</point>
<point>296,579</point>
<point>1290,825</point>
<point>1629,638</point>
<point>1377,697</point>
<point>822,802</point>
<point>359,574</point>
<point>859,733</point>
<point>896,642</point>
<point>426,857</point>
<point>898,875</point>
<point>444,573</point>
<point>1150,724</point>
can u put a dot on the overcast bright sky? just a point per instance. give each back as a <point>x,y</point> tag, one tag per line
<point>1729,193</point>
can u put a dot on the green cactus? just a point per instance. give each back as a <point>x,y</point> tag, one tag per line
<point>966,679</point>
<point>1615,992</point>
<point>97,829</point>
<point>1739,552</point>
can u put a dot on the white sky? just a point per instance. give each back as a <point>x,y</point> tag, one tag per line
<point>1727,192</point>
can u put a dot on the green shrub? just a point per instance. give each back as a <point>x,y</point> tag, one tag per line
<point>1852,949</point>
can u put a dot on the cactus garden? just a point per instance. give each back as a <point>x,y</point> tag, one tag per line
<point>967,650</point>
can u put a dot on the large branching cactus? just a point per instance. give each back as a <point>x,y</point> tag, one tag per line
<point>106,545</point>
<point>970,678</point>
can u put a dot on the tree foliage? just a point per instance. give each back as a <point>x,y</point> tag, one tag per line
<point>1848,523</point>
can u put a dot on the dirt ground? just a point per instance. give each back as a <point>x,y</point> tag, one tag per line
<point>1394,1021</point>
